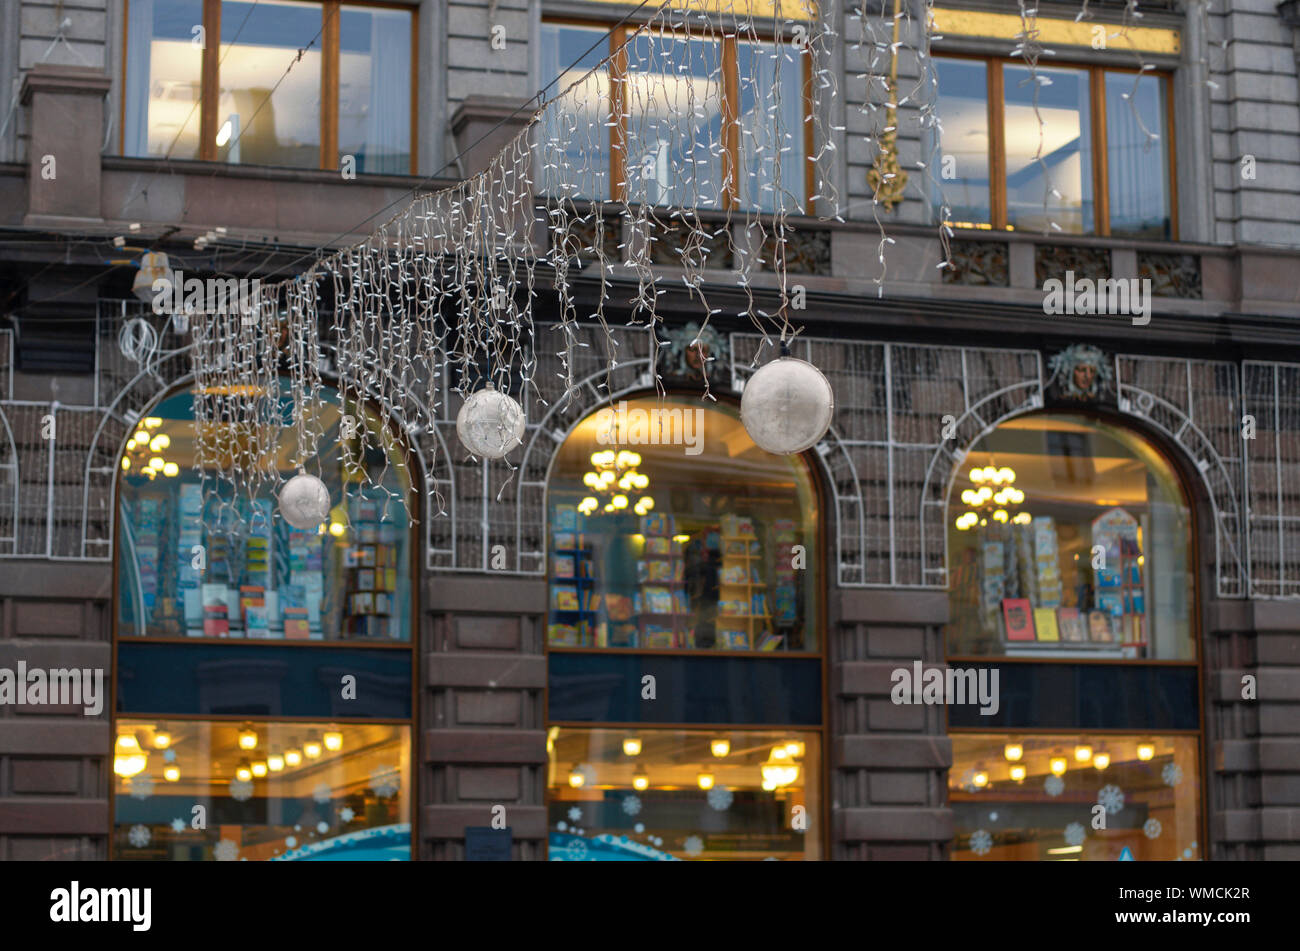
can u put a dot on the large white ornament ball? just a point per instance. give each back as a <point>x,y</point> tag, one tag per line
<point>305,502</point>
<point>490,423</point>
<point>786,406</point>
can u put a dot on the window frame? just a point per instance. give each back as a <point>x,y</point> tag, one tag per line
<point>1096,77</point>
<point>1185,483</point>
<point>411,645</point>
<point>729,92</point>
<point>209,81</point>
<point>824,527</point>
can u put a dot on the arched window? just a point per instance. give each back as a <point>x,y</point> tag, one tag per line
<point>262,673</point>
<point>684,561</point>
<point>1071,560</point>
<point>670,529</point>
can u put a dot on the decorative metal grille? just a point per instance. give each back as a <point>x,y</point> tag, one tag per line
<point>1272,397</point>
<point>1198,404</point>
<point>888,465</point>
<point>885,459</point>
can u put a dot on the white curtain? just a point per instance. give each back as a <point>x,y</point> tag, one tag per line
<point>388,126</point>
<point>136,94</point>
<point>1136,162</point>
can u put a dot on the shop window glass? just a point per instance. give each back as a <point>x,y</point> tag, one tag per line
<point>1048,128</point>
<point>269,791</point>
<point>163,79</point>
<point>962,158</point>
<point>647,795</point>
<point>578,139</point>
<point>1069,537</point>
<point>217,563</point>
<point>675,121</point>
<point>1138,164</point>
<point>266,116</point>
<point>1032,797</point>
<point>771,114</point>
<point>375,88</point>
<point>697,540</point>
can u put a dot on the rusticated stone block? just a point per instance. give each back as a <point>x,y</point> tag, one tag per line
<point>497,784</point>
<point>51,777</point>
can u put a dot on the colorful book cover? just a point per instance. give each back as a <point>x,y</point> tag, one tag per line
<point>732,639</point>
<point>1019,619</point>
<point>562,566</point>
<point>295,624</point>
<point>1045,624</point>
<point>1071,625</point>
<point>1099,627</point>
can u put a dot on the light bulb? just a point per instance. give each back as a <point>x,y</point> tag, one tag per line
<point>171,470</point>
<point>292,757</point>
<point>977,476</point>
<point>333,741</point>
<point>1059,764</point>
<point>171,773</point>
<point>980,779</point>
<point>1082,753</point>
<point>312,748</point>
<point>128,758</point>
<point>242,772</point>
<point>640,782</point>
<point>576,778</point>
<point>1013,751</point>
<point>259,768</point>
<point>705,780</point>
<point>632,746</point>
<point>1018,773</point>
<point>1101,760</point>
<point>157,462</point>
<point>162,739</point>
<point>275,762</point>
<point>140,438</point>
<point>619,501</point>
<point>337,529</point>
<point>126,463</point>
<point>720,747</point>
<point>1146,751</point>
<point>247,738</point>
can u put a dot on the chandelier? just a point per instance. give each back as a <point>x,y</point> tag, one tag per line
<point>995,498</point>
<point>613,477</point>
<point>144,450</point>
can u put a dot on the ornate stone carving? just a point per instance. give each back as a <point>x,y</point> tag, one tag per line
<point>981,263</point>
<point>1053,260</point>
<point>1171,275</point>
<point>807,251</point>
<point>1081,373</point>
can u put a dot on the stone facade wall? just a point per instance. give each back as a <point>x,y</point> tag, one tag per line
<point>55,762</point>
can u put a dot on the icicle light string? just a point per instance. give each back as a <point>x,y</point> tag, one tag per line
<point>676,148</point>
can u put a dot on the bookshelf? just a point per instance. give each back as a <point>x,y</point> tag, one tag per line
<point>663,615</point>
<point>743,615</point>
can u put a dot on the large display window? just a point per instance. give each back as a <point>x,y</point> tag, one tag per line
<point>204,560</point>
<point>1076,797</point>
<point>1069,537</point>
<point>670,529</point>
<point>234,791</point>
<point>665,795</point>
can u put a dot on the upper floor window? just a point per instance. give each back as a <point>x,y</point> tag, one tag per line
<point>671,120</point>
<point>1083,147</point>
<point>1069,537</point>
<point>250,97</point>
<point>219,564</point>
<point>671,529</point>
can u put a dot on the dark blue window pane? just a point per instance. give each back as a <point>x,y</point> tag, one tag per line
<point>262,681</point>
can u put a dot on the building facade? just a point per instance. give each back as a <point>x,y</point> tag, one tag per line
<point>1085,514</point>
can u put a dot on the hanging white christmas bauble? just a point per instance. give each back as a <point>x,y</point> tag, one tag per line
<point>490,423</point>
<point>786,406</point>
<point>304,501</point>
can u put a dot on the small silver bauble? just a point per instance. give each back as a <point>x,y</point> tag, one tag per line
<point>304,501</point>
<point>786,406</point>
<point>490,423</point>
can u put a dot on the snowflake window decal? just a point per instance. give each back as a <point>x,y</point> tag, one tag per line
<point>631,805</point>
<point>1172,774</point>
<point>139,836</point>
<point>1075,833</point>
<point>1054,786</point>
<point>981,842</point>
<point>225,851</point>
<point>693,845</point>
<point>385,781</point>
<point>1111,797</point>
<point>1152,828</point>
<point>141,786</point>
<point>241,790</point>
